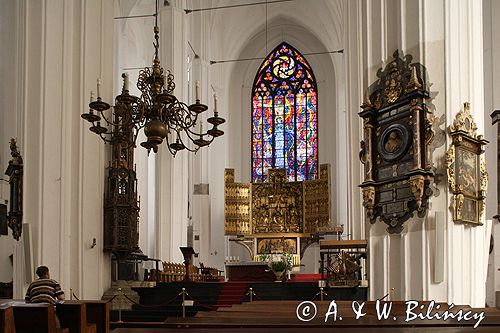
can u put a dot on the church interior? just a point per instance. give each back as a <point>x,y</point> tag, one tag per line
<point>199,158</point>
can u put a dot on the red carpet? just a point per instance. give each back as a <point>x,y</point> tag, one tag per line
<point>305,278</point>
<point>231,293</point>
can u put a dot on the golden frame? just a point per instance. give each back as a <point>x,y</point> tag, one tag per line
<point>467,175</point>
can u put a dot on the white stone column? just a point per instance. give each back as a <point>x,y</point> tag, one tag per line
<point>353,62</point>
<point>11,67</point>
<point>446,37</point>
<point>467,245</point>
<point>491,31</point>
<point>172,173</point>
<point>210,231</point>
<point>63,46</point>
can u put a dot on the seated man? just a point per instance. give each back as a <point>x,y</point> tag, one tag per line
<point>44,290</point>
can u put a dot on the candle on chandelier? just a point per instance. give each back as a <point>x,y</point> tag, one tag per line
<point>197,90</point>
<point>99,87</point>
<point>91,96</point>
<point>215,103</point>
<point>125,82</point>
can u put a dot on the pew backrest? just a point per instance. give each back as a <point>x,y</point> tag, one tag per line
<point>6,319</point>
<point>73,316</point>
<point>34,318</point>
<point>98,314</point>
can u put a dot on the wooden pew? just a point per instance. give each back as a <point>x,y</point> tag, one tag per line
<point>73,315</point>
<point>98,314</point>
<point>35,318</point>
<point>6,319</point>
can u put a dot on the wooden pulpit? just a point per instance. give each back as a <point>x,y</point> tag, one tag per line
<point>187,252</point>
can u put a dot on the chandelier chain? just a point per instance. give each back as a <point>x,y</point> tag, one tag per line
<point>158,111</point>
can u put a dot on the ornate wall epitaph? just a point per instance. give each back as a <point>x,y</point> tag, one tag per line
<point>15,173</point>
<point>395,149</point>
<point>467,174</point>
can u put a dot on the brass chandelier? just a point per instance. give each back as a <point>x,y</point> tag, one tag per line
<point>157,110</point>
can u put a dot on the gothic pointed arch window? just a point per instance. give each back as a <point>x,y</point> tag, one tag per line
<point>285,116</point>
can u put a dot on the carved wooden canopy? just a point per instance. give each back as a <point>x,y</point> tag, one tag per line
<point>395,149</point>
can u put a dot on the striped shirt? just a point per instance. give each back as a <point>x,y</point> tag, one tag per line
<point>43,291</point>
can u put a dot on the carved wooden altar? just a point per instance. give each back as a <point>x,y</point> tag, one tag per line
<point>395,149</point>
<point>277,216</point>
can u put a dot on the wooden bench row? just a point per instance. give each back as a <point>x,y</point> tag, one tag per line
<point>6,319</point>
<point>73,317</point>
<point>283,314</point>
<point>289,307</point>
<point>176,272</point>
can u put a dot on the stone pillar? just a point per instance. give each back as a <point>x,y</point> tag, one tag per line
<point>491,31</point>
<point>209,228</point>
<point>466,272</point>
<point>62,47</point>
<point>172,173</point>
<point>10,121</point>
<point>433,32</point>
<point>492,292</point>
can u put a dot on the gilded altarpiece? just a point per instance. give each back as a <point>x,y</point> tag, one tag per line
<point>395,150</point>
<point>317,203</point>
<point>277,216</point>
<point>237,206</point>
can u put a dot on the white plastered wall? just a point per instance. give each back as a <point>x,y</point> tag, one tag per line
<point>61,48</point>
<point>241,33</point>
<point>491,33</point>
<point>9,120</point>
<point>64,45</point>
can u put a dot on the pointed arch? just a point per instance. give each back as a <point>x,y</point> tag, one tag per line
<point>285,116</point>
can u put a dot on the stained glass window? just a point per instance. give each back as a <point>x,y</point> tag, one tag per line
<point>285,116</point>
